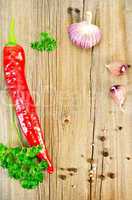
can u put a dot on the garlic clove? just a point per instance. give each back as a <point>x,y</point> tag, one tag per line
<point>84,34</point>
<point>117,68</point>
<point>118,94</point>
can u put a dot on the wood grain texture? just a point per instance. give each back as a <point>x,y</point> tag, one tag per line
<point>70,87</point>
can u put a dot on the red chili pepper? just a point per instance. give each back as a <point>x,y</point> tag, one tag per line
<point>14,64</point>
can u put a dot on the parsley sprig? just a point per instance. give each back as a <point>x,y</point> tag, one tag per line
<point>22,164</point>
<point>46,43</point>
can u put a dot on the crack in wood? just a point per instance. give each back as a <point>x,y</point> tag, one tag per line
<point>91,82</point>
<point>83,10</point>
<point>102,172</point>
<point>92,153</point>
<point>91,94</point>
<point>62,192</point>
<point>93,132</point>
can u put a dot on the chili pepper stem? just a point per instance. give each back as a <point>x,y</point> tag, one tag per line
<point>11,35</point>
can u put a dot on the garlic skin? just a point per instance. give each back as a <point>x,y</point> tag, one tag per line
<point>118,94</point>
<point>84,34</point>
<point>117,68</point>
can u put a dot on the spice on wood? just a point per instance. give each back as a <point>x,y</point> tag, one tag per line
<point>62,177</point>
<point>120,128</point>
<point>111,175</point>
<point>72,169</point>
<point>102,177</point>
<point>102,138</point>
<point>128,158</point>
<point>105,152</point>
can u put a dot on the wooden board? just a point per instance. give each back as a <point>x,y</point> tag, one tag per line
<point>70,87</point>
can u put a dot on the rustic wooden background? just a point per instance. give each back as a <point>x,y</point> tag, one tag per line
<point>70,87</point>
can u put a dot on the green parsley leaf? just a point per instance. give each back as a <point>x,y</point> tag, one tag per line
<point>43,165</point>
<point>23,165</point>
<point>46,43</point>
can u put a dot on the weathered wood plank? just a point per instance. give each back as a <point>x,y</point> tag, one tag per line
<point>70,87</point>
<point>128,4</point>
<point>113,47</point>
